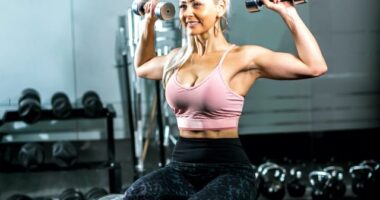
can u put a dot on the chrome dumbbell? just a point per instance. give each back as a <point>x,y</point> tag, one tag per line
<point>254,5</point>
<point>163,10</point>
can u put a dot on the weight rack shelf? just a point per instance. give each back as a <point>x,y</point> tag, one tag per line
<point>114,169</point>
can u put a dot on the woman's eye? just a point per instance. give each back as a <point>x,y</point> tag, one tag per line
<point>197,4</point>
<point>182,6</point>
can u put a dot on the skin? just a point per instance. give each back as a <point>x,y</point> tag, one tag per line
<point>242,66</point>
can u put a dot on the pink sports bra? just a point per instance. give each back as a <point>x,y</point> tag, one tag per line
<point>210,105</point>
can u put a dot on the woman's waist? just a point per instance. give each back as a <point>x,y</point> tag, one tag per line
<point>206,150</point>
<point>212,134</point>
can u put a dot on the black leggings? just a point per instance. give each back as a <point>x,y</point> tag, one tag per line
<point>194,180</point>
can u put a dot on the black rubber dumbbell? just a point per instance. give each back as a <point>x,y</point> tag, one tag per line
<point>273,182</point>
<point>92,104</point>
<point>95,193</point>
<point>336,188</point>
<point>319,181</point>
<point>295,185</point>
<point>31,155</point>
<point>64,154</point>
<point>61,105</point>
<point>71,194</point>
<point>19,197</point>
<point>29,106</point>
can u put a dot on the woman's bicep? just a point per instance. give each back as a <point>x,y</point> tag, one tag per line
<point>281,66</point>
<point>153,69</point>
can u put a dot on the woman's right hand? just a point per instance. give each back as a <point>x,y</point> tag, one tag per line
<point>149,7</point>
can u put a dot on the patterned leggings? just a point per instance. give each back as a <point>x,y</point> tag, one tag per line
<point>193,181</point>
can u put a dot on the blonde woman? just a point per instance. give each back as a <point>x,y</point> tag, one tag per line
<point>205,84</point>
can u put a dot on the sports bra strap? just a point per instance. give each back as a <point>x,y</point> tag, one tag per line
<point>225,54</point>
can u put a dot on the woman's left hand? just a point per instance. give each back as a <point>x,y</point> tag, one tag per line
<point>281,7</point>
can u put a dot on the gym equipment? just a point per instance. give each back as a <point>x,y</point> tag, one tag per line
<point>319,181</point>
<point>295,186</point>
<point>375,179</point>
<point>61,106</point>
<point>273,182</point>
<point>336,188</point>
<point>31,155</point>
<point>361,180</point>
<point>92,104</point>
<point>254,5</point>
<point>112,197</point>
<point>29,106</point>
<point>71,194</point>
<point>19,197</point>
<point>163,10</point>
<point>95,193</point>
<point>64,154</point>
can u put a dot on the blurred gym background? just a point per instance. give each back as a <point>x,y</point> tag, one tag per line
<point>79,46</point>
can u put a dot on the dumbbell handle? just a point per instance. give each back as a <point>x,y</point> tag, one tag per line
<point>163,10</point>
<point>254,5</point>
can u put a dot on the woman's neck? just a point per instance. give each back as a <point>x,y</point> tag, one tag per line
<point>208,43</point>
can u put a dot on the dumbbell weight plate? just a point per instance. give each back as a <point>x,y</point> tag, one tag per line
<point>31,155</point>
<point>64,154</point>
<point>29,106</point>
<point>71,194</point>
<point>61,105</point>
<point>95,193</point>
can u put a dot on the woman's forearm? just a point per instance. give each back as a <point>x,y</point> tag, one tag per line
<point>145,49</point>
<point>306,44</point>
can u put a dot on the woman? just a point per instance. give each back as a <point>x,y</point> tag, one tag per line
<point>205,84</point>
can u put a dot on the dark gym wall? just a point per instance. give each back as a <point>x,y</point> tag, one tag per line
<point>347,97</point>
<point>69,46</point>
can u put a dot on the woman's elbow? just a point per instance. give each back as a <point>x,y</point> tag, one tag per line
<point>321,71</point>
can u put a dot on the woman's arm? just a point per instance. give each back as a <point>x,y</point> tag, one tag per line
<point>147,64</point>
<point>276,65</point>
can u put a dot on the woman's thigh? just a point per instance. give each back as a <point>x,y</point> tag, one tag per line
<point>229,187</point>
<point>162,184</point>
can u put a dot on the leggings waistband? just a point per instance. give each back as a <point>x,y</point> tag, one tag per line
<point>205,150</point>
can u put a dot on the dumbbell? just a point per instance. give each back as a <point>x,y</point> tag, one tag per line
<point>112,197</point>
<point>92,104</point>
<point>64,154</point>
<point>71,194</point>
<point>29,106</point>
<point>273,178</point>
<point>163,10</point>
<point>336,188</point>
<point>319,181</point>
<point>295,186</point>
<point>31,155</point>
<point>361,180</point>
<point>19,197</point>
<point>254,5</point>
<point>61,105</point>
<point>95,193</point>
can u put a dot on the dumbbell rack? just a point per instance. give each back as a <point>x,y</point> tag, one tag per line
<point>114,168</point>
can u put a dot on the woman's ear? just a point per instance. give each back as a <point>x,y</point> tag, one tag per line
<point>220,8</point>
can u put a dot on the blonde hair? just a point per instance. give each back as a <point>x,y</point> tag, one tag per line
<point>185,51</point>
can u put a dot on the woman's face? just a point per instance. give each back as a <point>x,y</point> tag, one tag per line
<point>197,16</point>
